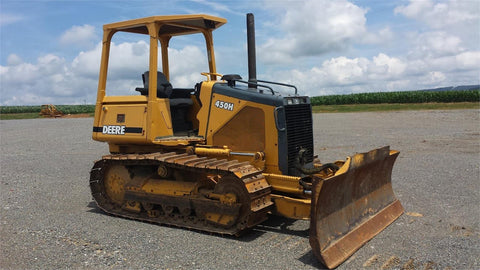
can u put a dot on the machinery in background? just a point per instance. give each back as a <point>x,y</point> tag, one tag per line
<point>49,110</point>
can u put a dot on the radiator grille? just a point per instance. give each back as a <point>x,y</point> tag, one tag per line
<point>299,132</point>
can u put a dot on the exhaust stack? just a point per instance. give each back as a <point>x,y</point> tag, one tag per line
<point>252,65</point>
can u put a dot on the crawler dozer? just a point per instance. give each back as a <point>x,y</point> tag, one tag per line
<point>225,154</point>
<point>49,110</point>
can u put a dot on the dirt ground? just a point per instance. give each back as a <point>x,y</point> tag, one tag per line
<point>49,221</point>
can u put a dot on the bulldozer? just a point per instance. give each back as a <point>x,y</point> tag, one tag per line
<point>225,154</point>
<point>49,110</point>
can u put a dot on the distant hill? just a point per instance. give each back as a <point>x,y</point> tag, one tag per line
<point>454,88</point>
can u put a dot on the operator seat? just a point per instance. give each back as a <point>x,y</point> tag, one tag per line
<point>179,98</point>
<point>164,87</point>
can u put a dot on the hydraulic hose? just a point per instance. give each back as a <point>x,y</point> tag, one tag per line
<point>315,170</point>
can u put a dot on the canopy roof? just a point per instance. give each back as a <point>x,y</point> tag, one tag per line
<point>171,25</point>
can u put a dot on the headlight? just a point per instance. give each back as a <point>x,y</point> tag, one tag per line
<point>295,100</point>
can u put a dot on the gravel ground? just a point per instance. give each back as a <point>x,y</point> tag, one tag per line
<point>49,221</point>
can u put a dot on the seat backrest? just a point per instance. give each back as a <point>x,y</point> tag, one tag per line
<point>164,88</point>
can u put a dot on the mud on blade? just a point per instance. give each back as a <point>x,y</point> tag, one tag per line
<point>351,207</point>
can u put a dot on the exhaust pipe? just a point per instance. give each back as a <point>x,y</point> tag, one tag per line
<point>252,66</point>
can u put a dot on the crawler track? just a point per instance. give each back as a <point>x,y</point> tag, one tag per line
<point>194,210</point>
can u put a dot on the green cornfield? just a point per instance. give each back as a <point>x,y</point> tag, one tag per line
<point>66,109</point>
<point>399,97</point>
<point>362,98</point>
<point>76,109</point>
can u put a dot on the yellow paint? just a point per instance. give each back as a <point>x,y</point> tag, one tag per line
<point>218,118</point>
<point>220,219</point>
<point>115,179</point>
<point>124,99</point>
<point>134,116</point>
<point>291,207</point>
<point>202,115</point>
<point>284,183</point>
<point>256,185</point>
<point>212,151</point>
<point>171,188</point>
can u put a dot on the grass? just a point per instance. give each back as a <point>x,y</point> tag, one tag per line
<point>394,107</point>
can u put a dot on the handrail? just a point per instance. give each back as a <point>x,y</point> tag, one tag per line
<point>210,74</point>
<point>261,85</point>
<point>282,84</point>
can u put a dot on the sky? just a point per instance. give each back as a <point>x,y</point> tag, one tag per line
<point>50,50</point>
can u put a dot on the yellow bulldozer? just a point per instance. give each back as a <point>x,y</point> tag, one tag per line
<point>225,154</point>
<point>49,110</point>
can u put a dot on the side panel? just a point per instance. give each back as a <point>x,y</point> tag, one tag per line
<point>159,120</point>
<point>205,97</point>
<point>243,126</point>
<point>125,120</point>
<point>243,132</point>
<point>121,123</point>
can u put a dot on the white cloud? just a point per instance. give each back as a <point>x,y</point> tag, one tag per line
<point>436,44</point>
<point>344,71</point>
<point>384,35</point>
<point>87,64</point>
<point>79,35</point>
<point>438,15</point>
<point>469,60</point>
<point>342,74</point>
<point>435,77</point>
<point>382,72</point>
<point>52,79</point>
<point>126,64</point>
<point>440,53</point>
<point>415,8</point>
<point>42,82</point>
<point>186,65</point>
<point>313,28</point>
<point>127,60</point>
<point>14,60</point>
<point>445,50</point>
<point>390,66</point>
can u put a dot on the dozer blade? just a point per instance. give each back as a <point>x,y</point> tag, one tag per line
<point>351,207</point>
